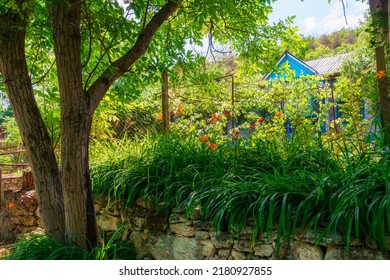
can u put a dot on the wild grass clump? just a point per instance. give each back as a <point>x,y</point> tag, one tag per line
<point>289,185</point>
<point>43,247</point>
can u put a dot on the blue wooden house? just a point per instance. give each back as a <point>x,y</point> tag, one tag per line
<point>326,67</point>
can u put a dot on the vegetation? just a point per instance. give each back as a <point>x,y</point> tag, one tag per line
<point>43,247</point>
<point>239,148</point>
<point>293,185</point>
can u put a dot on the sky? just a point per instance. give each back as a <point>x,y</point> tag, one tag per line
<point>317,17</point>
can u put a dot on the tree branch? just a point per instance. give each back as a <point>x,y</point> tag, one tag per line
<point>121,65</point>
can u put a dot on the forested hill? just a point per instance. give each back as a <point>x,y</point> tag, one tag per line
<point>344,40</point>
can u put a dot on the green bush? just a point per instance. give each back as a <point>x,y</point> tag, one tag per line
<point>292,185</point>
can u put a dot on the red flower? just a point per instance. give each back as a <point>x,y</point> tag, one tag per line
<point>260,121</point>
<point>237,133</point>
<point>381,74</point>
<point>213,146</point>
<point>204,138</point>
<point>253,125</point>
<point>278,114</point>
<point>10,205</point>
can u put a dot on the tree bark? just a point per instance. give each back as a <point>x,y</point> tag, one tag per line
<point>165,101</point>
<point>75,222</point>
<point>379,12</point>
<point>76,120</point>
<point>39,150</point>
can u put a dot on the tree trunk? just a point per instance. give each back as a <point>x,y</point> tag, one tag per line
<point>74,220</point>
<point>379,11</point>
<point>36,139</point>
<point>165,101</point>
<point>76,120</point>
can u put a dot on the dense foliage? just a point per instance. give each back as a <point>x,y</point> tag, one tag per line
<point>293,185</point>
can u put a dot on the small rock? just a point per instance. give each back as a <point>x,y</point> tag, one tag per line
<point>202,235</point>
<point>221,240</point>
<point>183,230</point>
<point>224,253</point>
<point>263,250</point>
<point>208,249</point>
<point>107,222</point>
<point>305,251</point>
<point>237,255</point>
<point>201,225</point>
<point>242,245</point>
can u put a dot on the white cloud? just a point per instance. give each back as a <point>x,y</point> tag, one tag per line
<point>335,19</point>
<point>308,25</point>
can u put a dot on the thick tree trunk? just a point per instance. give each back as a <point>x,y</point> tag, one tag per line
<point>74,222</point>
<point>39,148</point>
<point>76,119</point>
<point>379,11</point>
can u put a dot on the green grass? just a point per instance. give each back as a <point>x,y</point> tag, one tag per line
<point>292,185</point>
<point>42,247</point>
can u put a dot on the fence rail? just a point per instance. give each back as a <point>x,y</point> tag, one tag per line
<point>10,180</point>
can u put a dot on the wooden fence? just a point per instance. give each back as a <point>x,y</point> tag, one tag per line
<point>8,180</point>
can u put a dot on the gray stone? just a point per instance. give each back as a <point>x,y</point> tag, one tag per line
<point>178,218</point>
<point>304,251</point>
<point>245,234</point>
<point>202,235</point>
<point>207,249</point>
<point>144,202</point>
<point>311,236</point>
<point>140,244</point>
<point>171,247</point>
<point>340,253</point>
<point>263,250</point>
<point>183,230</point>
<point>221,240</point>
<point>242,245</point>
<point>199,224</point>
<point>107,222</point>
<point>237,255</point>
<point>224,253</point>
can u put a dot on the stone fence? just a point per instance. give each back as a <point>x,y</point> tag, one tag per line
<point>171,237</point>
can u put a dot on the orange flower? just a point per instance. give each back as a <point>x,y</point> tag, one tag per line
<point>213,146</point>
<point>253,125</point>
<point>160,116</point>
<point>381,74</point>
<point>10,205</point>
<point>180,109</point>
<point>204,138</point>
<point>214,120</point>
<point>226,113</point>
<point>278,114</point>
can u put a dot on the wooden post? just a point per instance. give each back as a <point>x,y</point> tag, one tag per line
<point>1,188</point>
<point>27,179</point>
<point>233,103</point>
<point>379,11</point>
<point>165,102</point>
<point>334,109</point>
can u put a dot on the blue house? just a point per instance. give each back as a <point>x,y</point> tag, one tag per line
<point>326,67</point>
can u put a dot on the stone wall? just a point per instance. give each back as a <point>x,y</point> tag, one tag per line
<point>161,236</point>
